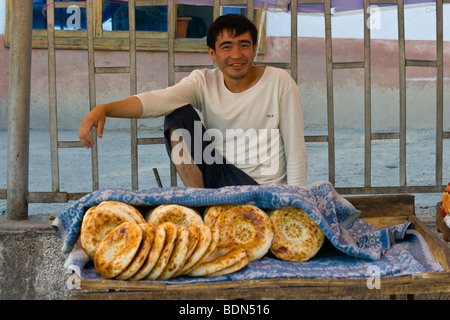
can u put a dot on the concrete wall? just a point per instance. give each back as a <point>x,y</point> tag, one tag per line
<point>31,262</point>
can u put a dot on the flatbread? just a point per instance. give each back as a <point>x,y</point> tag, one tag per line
<point>153,255</point>
<point>228,257</point>
<point>123,207</point>
<point>178,256</point>
<point>202,246</point>
<point>141,254</point>
<point>297,237</point>
<point>231,269</point>
<point>246,226</point>
<point>207,253</point>
<point>169,244</point>
<point>179,215</point>
<point>117,249</point>
<point>97,222</point>
<point>213,212</point>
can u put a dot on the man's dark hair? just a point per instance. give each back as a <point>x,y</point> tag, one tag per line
<point>233,23</point>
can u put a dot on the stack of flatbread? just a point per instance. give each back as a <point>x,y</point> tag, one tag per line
<point>172,242</point>
<point>176,241</point>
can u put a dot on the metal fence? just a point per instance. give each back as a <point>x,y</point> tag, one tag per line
<point>57,195</point>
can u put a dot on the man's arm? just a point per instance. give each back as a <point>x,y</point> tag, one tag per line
<point>128,108</point>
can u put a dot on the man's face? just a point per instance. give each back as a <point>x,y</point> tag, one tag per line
<point>234,55</point>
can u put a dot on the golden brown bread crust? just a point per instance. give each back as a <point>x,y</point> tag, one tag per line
<point>123,207</point>
<point>213,212</point>
<point>179,215</point>
<point>141,254</point>
<point>297,237</point>
<point>97,222</point>
<point>178,256</point>
<point>153,255</point>
<point>117,249</point>
<point>224,259</point>
<point>169,243</point>
<point>246,226</point>
<point>233,268</point>
<point>202,246</point>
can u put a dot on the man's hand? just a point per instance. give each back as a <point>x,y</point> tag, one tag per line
<point>95,118</point>
<point>127,108</point>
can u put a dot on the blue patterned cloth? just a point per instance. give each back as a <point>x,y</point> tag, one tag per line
<point>355,244</point>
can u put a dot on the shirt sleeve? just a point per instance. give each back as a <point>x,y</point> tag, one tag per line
<point>161,102</point>
<point>292,133</point>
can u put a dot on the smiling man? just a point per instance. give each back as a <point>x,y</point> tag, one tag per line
<point>252,129</point>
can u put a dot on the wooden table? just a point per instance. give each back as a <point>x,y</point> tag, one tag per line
<point>381,211</point>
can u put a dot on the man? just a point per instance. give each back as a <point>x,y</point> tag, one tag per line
<point>253,123</point>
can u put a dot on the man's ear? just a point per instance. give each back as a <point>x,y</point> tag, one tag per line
<point>212,54</point>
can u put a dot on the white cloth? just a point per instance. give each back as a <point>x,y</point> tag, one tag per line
<point>249,120</point>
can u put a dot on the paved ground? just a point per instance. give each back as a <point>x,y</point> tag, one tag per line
<point>114,162</point>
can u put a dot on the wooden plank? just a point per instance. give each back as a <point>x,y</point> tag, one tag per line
<point>383,222</point>
<point>440,224</point>
<point>384,205</point>
<point>348,65</point>
<point>278,288</point>
<point>385,135</point>
<point>439,249</point>
<point>103,70</point>
<point>420,63</point>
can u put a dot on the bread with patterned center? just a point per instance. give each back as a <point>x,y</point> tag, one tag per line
<point>213,212</point>
<point>117,249</point>
<point>177,214</point>
<point>97,222</point>
<point>247,226</point>
<point>297,237</point>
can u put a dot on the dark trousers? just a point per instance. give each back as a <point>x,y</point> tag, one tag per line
<point>215,175</point>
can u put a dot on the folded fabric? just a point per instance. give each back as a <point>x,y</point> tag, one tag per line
<point>337,217</point>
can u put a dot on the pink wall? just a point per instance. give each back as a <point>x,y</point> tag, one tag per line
<point>73,91</point>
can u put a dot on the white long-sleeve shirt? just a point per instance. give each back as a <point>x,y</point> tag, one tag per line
<point>264,123</point>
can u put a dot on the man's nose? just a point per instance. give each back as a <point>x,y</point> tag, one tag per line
<point>236,51</point>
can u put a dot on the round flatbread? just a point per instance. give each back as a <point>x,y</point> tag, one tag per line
<point>178,256</point>
<point>141,254</point>
<point>153,255</point>
<point>233,268</point>
<point>179,215</point>
<point>297,237</point>
<point>123,207</point>
<point>202,246</point>
<point>97,222</point>
<point>117,249</point>
<point>246,226</point>
<point>169,244</point>
<point>225,259</point>
<point>207,253</point>
<point>213,212</point>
